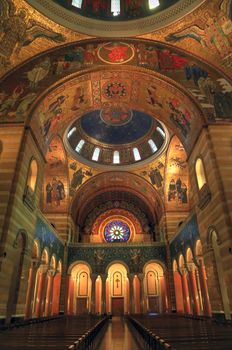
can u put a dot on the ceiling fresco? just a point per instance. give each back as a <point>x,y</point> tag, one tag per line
<point>115,181</point>
<point>55,186</point>
<point>107,128</point>
<point>118,201</point>
<point>177,177</point>
<point>205,31</point>
<point>96,136</point>
<point>17,95</point>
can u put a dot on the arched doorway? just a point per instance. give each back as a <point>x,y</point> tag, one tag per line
<point>117,290</point>
<point>155,288</point>
<point>80,285</point>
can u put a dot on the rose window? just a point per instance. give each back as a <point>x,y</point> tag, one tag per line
<point>116,231</point>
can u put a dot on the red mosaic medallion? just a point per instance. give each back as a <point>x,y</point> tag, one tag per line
<point>115,53</point>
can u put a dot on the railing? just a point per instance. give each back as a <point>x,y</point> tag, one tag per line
<point>86,340</point>
<point>151,339</point>
<point>121,244</point>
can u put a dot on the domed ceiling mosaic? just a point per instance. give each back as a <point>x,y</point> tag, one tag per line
<point>116,135</point>
<point>117,10</point>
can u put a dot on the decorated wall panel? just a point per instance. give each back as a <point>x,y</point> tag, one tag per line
<point>186,238</point>
<point>177,177</point>
<point>47,239</point>
<point>55,178</point>
<point>100,256</point>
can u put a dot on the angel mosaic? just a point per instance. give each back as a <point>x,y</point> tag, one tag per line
<point>18,31</point>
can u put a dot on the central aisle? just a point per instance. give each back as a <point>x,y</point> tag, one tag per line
<point>117,335</point>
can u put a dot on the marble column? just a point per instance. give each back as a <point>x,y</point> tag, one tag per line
<point>193,286</point>
<point>186,298</point>
<point>143,307</point>
<point>41,291</point>
<point>103,299</point>
<point>204,288</point>
<point>49,293</point>
<point>31,288</point>
<point>131,306</point>
<point>93,293</point>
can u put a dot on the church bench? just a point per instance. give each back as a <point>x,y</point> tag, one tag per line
<point>181,334</point>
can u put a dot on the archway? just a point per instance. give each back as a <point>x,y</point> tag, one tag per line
<point>80,286</point>
<point>155,288</point>
<point>117,291</point>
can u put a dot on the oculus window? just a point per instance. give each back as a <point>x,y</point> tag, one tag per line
<point>116,231</point>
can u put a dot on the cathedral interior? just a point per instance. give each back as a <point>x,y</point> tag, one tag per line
<point>115,159</point>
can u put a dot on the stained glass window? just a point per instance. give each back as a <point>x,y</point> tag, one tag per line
<point>116,231</point>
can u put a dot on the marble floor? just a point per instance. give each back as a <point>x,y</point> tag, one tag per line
<point>117,336</point>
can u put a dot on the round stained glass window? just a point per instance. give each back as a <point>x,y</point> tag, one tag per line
<point>116,231</point>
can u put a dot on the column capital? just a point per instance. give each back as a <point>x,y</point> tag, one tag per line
<point>51,272</point>
<point>44,268</point>
<point>141,276</point>
<point>131,276</point>
<point>103,276</point>
<point>190,266</point>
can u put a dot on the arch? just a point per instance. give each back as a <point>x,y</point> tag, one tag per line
<point>174,265</point>
<point>117,288</point>
<point>79,288</point>
<point>45,256</point>
<point>198,249</point>
<point>120,262</point>
<point>155,287</point>
<point>53,262</point>
<point>77,262</point>
<point>59,267</point>
<point>181,261</point>
<point>118,181</point>
<point>200,173</point>
<point>159,265</point>
<point>36,249</point>
<point>189,255</point>
<point>21,235</point>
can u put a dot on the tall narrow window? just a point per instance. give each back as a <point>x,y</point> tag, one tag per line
<point>153,4</point>
<point>115,7</point>
<point>152,145</point>
<point>79,146</point>
<point>32,175</point>
<point>116,157</point>
<point>161,131</point>
<point>136,154</point>
<point>96,154</point>
<point>71,132</point>
<point>77,3</point>
<point>200,173</point>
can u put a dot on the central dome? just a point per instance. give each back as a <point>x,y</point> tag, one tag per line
<point>116,125</point>
<point>115,136</point>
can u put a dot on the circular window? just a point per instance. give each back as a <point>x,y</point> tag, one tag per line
<point>116,231</point>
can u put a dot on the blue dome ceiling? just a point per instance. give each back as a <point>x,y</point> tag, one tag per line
<point>119,127</point>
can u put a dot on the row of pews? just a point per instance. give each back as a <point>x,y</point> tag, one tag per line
<point>175,332</point>
<point>67,332</point>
